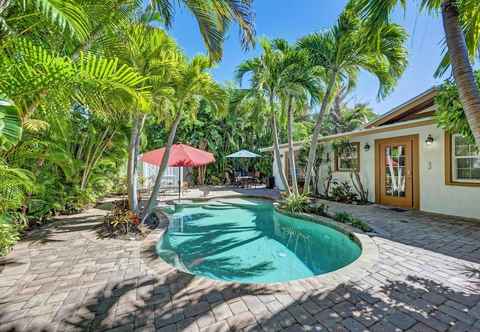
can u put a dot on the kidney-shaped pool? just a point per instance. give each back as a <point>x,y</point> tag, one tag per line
<point>247,241</point>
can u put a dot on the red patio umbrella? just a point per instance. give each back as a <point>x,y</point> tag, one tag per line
<point>181,155</point>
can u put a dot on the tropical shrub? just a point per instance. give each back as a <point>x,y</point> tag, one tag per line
<point>215,180</point>
<point>320,209</point>
<point>361,225</point>
<point>343,217</point>
<point>10,126</point>
<point>361,190</point>
<point>9,234</point>
<point>121,220</point>
<point>343,192</point>
<point>14,186</point>
<point>346,218</point>
<point>296,203</point>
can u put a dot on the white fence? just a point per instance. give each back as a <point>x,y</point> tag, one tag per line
<point>148,173</point>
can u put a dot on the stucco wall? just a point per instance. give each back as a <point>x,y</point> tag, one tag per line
<point>435,195</point>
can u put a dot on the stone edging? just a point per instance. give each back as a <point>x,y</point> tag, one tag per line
<point>356,270</point>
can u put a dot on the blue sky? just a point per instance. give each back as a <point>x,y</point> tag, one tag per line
<point>281,19</point>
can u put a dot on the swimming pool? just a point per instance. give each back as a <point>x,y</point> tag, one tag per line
<point>247,241</point>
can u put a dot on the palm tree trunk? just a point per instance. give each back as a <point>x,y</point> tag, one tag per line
<point>336,111</point>
<point>291,153</point>
<point>163,166</point>
<point>132,163</point>
<point>276,147</point>
<point>462,68</point>
<point>312,154</point>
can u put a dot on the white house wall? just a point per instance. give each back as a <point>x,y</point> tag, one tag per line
<point>435,195</point>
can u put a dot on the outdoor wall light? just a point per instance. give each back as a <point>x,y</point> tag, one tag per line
<point>366,147</point>
<point>429,140</point>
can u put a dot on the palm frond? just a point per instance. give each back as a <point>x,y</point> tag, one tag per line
<point>66,14</point>
<point>10,126</point>
<point>214,18</point>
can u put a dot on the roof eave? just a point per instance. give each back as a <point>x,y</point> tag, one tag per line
<point>364,132</point>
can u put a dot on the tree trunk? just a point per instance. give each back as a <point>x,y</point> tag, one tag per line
<point>336,111</point>
<point>132,162</point>
<point>90,163</point>
<point>316,133</point>
<point>461,66</point>
<point>97,156</point>
<point>291,153</point>
<point>276,147</point>
<point>163,166</point>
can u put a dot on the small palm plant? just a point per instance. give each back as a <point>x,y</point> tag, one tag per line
<point>296,203</point>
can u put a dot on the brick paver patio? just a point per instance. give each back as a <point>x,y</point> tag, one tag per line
<point>64,278</point>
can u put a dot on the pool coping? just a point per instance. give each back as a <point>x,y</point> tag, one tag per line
<point>355,271</point>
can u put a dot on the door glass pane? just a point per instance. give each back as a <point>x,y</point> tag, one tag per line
<point>395,169</point>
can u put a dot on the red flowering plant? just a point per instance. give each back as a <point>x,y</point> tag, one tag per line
<point>121,221</point>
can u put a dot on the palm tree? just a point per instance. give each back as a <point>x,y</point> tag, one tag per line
<point>300,86</point>
<point>343,52</point>
<point>460,22</point>
<point>343,118</point>
<point>269,76</point>
<point>155,56</point>
<point>190,86</point>
<point>94,25</point>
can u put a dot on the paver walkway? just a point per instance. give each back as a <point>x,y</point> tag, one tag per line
<point>64,279</point>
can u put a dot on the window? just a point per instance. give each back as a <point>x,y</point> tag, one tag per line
<point>465,160</point>
<point>348,159</point>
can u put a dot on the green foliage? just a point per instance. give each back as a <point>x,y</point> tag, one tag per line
<point>377,13</point>
<point>9,234</point>
<point>449,114</point>
<point>74,74</point>
<point>346,218</point>
<point>14,187</point>
<point>303,155</point>
<point>342,145</point>
<point>214,19</point>
<point>296,203</point>
<point>343,117</point>
<point>343,51</point>
<point>123,222</point>
<point>10,126</point>
<point>220,135</point>
<point>318,209</point>
<point>67,15</point>
<point>343,217</point>
<point>343,192</point>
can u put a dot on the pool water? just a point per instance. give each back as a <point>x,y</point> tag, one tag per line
<point>249,242</point>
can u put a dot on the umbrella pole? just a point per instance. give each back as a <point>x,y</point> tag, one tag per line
<point>180,182</point>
